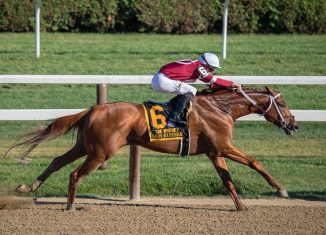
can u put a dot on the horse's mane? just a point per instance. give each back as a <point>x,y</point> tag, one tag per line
<point>219,90</point>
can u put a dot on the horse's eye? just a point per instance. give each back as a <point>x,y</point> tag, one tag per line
<point>282,104</point>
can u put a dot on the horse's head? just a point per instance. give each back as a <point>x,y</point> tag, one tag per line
<point>269,104</point>
<point>277,112</point>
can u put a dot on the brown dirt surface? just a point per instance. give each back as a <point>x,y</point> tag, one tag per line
<point>167,215</point>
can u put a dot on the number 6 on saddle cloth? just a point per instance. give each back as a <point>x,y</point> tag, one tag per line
<point>159,129</point>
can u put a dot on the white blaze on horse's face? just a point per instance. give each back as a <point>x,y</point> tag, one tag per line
<point>278,113</point>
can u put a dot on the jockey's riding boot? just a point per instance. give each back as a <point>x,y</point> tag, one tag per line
<point>175,115</point>
<point>176,119</point>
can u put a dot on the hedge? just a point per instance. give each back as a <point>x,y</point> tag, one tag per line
<point>59,15</point>
<point>166,16</point>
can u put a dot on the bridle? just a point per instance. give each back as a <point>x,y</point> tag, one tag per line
<point>286,123</point>
<point>272,102</point>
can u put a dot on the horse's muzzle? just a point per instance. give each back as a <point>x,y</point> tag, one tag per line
<point>290,128</point>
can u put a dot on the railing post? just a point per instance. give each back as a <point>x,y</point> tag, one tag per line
<point>225,27</point>
<point>134,159</point>
<point>101,93</point>
<point>37,27</point>
<point>101,99</point>
<point>134,172</point>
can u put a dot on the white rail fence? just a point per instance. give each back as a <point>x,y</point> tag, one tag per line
<point>146,79</point>
<point>47,114</point>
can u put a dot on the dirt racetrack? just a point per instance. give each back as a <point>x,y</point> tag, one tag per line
<point>161,216</point>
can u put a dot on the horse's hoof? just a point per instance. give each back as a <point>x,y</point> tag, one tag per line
<point>23,188</point>
<point>282,193</point>
<point>70,207</point>
<point>103,166</point>
<point>242,208</point>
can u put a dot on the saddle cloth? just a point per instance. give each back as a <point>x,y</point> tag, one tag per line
<point>160,130</point>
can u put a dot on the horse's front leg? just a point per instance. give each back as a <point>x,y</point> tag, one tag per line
<point>223,171</point>
<point>236,155</point>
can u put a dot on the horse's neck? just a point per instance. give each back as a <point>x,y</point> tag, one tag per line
<point>236,107</point>
<point>235,104</point>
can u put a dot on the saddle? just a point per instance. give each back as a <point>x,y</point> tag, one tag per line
<point>159,129</point>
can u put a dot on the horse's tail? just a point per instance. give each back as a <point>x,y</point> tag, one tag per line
<point>58,127</point>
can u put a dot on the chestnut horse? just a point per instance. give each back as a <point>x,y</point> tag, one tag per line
<point>103,129</point>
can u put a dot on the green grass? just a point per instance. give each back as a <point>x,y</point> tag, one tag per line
<point>83,96</point>
<point>66,53</point>
<point>303,177</point>
<point>299,162</point>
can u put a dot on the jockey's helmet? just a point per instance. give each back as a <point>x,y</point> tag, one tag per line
<point>210,59</point>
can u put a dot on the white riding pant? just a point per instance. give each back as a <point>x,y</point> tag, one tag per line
<point>162,83</point>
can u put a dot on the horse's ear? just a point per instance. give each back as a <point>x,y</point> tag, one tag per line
<point>267,89</point>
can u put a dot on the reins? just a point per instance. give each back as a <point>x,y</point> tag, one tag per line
<point>254,103</point>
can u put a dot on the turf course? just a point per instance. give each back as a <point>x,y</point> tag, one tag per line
<point>299,163</point>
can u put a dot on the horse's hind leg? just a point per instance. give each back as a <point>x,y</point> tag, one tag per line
<point>223,171</point>
<point>72,155</point>
<point>91,164</point>
<point>238,156</point>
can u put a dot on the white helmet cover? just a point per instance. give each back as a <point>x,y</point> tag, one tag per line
<point>210,59</point>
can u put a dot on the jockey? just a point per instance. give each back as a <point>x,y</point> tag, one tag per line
<point>174,78</point>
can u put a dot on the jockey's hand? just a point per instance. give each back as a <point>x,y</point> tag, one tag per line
<point>211,86</point>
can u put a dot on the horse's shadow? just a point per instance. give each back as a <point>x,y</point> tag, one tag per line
<point>303,195</point>
<point>128,203</point>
